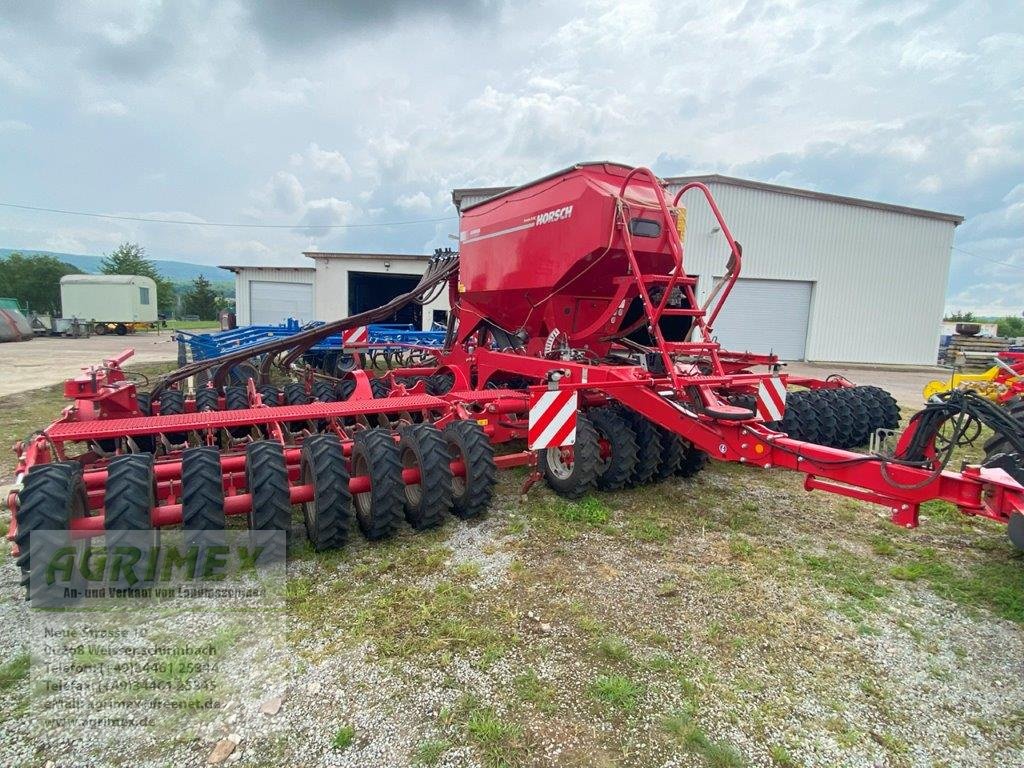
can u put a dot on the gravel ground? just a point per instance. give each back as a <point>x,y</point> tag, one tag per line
<point>734,652</point>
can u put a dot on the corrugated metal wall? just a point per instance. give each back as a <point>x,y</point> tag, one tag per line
<point>879,276</point>
<point>243,315</point>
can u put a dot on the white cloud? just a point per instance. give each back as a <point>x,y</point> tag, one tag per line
<point>418,202</point>
<point>14,126</point>
<point>107,108</point>
<point>331,163</point>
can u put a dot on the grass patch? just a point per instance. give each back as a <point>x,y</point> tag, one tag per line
<point>617,691</point>
<point>404,621</point>
<point>499,741</point>
<point>854,579</point>
<point>14,671</point>
<point>613,649</point>
<point>715,754</point>
<point>429,752</point>
<point>343,737</point>
<point>996,586</point>
<point>589,511</point>
<point>646,530</point>
<point>781,757</point>
<point>529,687</point>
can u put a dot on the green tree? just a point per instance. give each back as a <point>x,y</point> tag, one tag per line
<point>201,300</point>
<point>1011,327</point>
<point>34,281</point>
<point>130,259</point>
<point>960,317</point>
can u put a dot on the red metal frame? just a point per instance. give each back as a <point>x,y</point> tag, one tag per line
<point>555,259</point>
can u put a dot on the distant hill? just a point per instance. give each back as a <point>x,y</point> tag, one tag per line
<point>175,271</point>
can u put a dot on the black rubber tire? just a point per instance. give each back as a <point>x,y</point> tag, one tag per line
<point>345,389</point>
<point>172,403</point>
<point>693,461</point>
<point>121,329</point>
<point>861,417</point>
<point>673,449</point>
<point>202,490</point>
<point>614,471</point>
<point>440,384</point>
<point>998,443</point>
<point>379,511</point>
<point>270,394</point>
<point>295,394</point>
<point>472,493</point>
<point>145,443</point>
<point>838,406</point>
<point>329,515</point>
<point>130,493</point>
<point>890,409</point>
<point>346,362</point>
<point>579,478</point>
<point>380,388</point>
<point>827,426</point>
<point>648,447</point>
<point>323,391</point>
<point>52,496</point>
<point>207,400</point>
<point>266,476</point>
<point>236,398</point>
<point>428,502</point>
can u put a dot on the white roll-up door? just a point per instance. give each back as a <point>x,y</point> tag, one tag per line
<point>765,316</point>
<point>271,303</point>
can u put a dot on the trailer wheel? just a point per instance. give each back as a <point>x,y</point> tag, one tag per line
<point>423,447</point>
<point>202,490</point>
<point>999,443</point>
<point>380,388</point>
<point>328,515</point>
<point>236,398</point>
<point>266,475</point>
<point>572,472</point>
<point>472,491</point>
<point>323,391</point>
<point>207,400</point>
<point>887,404</point>
<point>827,425</point>
<point>145,443</point>
<point>673,449</point>
<point>348,361</point>
<point>440,384</point>
<point>648,447</point>
<point>270,395</point>
<point>618,450</point>
<point>121,329</point>
<point>52,496</point>
<point>172,403</point>
<point>693,461</point>
<point>130,493</point>
<point>295,394</point>
<point>345,389</point>
<point>861,419</point>
<point>378,510</point>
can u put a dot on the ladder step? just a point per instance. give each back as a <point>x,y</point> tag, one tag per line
<point>682,312</point>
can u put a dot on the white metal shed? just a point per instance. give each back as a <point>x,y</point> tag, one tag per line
<point>824,277</point>
<point>271,295</point>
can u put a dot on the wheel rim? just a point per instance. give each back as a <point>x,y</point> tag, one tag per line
<point>560,462</point>
<point>363,501</point>
<point>309,507</point>
<point>413,491</point>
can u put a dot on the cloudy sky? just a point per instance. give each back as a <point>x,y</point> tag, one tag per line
<point>371,111</point>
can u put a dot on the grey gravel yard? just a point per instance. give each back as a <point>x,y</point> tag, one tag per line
<point>728,620</point>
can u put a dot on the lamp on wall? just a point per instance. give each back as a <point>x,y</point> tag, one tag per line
<point>387,266</point>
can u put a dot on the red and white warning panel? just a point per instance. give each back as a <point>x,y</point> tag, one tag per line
<point>771,399</point>
<point>552,418</point>
<point>359,335</point>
